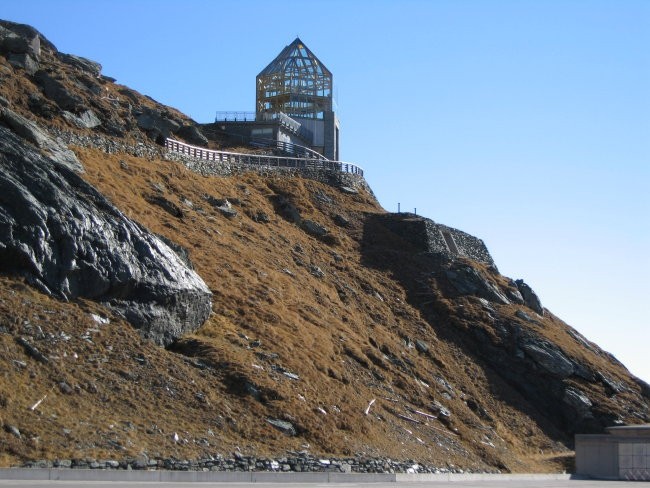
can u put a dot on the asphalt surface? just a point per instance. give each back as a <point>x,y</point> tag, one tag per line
<point>423,484</point>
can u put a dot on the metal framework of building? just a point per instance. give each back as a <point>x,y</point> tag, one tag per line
<point>295,83</point>
<point>294,106</point>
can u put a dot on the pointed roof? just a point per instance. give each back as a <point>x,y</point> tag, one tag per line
<point>296,58</point>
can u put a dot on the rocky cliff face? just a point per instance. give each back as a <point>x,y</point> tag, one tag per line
<point>63,235</point>
<point>336,329</point>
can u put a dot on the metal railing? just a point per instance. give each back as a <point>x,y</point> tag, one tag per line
<point>260,159</point>
<point>234,116</point>
<point>295,150</point>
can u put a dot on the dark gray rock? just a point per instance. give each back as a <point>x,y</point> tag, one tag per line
<point>13,430</point>
<point>316,271</point>
<point>156,124</point>
<point>167,205</point>
<point>30,131</point>
<point>438,409</point>
<point>579,402</point>
<point>548,358</point>
<point>192,135</point>
<point>261,217</point>
<point>66,238</point>
<point>21,44</point>
<point>313,228</point>
<point>84,64</point>
<point>287,209</point>
<point>524,316</point>
<point>30,349</point>
<point>341,221</point>
<point>180,251</point>
<point>227,210</point>
<point>25,61</point>
<point>468,281</point>
<point>85,120</point>
<point>421,346</point>
<point>56,90</point>
<point>531,299</point>
<point>513,293</point>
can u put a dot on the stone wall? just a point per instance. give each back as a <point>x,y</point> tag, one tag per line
<point>429,236</point>
<point>145,149</point>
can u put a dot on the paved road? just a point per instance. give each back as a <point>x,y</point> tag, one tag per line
<point>425,484</point>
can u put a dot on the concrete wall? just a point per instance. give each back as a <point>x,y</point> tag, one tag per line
<point>634,460</point>
<point>623,453</point>
<point>330,142</point>
<point>597,456</point>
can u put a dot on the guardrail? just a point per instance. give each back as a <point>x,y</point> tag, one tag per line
<point>260,159</point>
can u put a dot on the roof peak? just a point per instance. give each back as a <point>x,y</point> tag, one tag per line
<point>296,50</point>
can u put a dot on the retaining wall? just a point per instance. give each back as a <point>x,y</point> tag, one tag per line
<point>208,168</point>
<point>429,236</point>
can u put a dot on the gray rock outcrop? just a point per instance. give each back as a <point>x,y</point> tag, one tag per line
<point>56,90</point>
<point>531,300</point>
<point>27,129</point>
<point>468,281</point>
<point>156,123</point>
<point>84,64</point>
<point>64,237</point>
<point>192,135</point>
<point>21,44</point>
<point>549,358</point>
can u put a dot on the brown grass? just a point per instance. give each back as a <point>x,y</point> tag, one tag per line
<point>348,336</point>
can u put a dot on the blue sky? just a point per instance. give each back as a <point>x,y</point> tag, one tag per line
<point>526,123</point>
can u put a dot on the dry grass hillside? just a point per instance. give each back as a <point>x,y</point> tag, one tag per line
<point>358,341</point>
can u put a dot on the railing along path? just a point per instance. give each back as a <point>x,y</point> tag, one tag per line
<point>260,159</point>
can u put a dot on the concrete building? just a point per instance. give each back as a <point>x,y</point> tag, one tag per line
<point>623,453</point>
<point>294,106</point>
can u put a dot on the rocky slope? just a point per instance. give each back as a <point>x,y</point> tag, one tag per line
<point>336,329</point>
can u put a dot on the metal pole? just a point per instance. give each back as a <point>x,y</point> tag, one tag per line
<point>398,210</point>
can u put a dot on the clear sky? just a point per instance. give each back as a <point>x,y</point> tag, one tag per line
<point>526,123</point>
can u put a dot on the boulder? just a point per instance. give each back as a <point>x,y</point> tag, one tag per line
<point>531,300</point>
<point>192,135</point>
<point>313,228</point>
<point>67,239</point>
<point>157,124</point>
<point>513,293</point>
<point>468,281</point>
<point>283,426</point>
<point>548,358</point>
<point>341,220</point>
<point>85,120</point>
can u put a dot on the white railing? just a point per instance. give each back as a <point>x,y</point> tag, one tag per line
<point>294,150</point>
<point>260,159</point>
